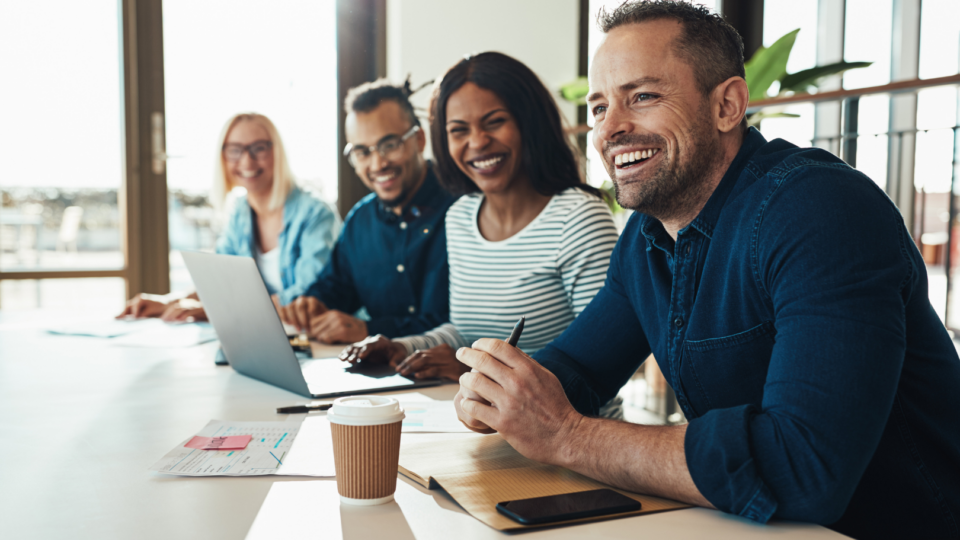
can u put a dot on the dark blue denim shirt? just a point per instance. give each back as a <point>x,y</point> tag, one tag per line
<point>792,319</point>
<point>394,266</point>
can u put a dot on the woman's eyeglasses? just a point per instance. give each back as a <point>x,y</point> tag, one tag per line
<point>257,150</point>
<point>388,148</point>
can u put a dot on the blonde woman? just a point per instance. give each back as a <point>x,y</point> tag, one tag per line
<point>287,229</point>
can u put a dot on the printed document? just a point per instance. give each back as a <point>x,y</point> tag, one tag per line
<point>278,448</point>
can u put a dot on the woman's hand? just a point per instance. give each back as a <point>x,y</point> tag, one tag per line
<point>143,306</point>
<point>376,349</point>
<point>184,310</point>
<point>439,361</point>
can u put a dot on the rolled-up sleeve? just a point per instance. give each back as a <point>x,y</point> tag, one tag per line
<point>830,255</point>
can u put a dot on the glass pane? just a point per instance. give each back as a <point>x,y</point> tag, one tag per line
<point>868,29</point>
<point>798,131</point>
<point>939,38</point>
<point>91,295</point>
<point>783,16</point>
<point>61,137</point>
<point>872,144</point>
<point>223,57</point>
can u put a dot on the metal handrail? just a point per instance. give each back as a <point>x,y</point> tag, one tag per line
<point>837,95</point>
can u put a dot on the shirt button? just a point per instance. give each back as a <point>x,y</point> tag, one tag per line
<point>678,321</point>
<point>688,249</point>
<point>399,268</point>
<point>412,309</point>
<point>403,225</point>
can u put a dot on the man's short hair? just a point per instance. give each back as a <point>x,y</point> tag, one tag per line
<point>368,96</point>
<point>707,43</point>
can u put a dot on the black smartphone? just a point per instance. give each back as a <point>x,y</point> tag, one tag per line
<point>583,504</point>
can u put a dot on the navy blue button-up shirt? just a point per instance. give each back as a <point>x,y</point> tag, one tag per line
<point>394,266</point>
<point>792,319</point>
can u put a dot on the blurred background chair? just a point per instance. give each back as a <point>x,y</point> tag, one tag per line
<point>69,227</point>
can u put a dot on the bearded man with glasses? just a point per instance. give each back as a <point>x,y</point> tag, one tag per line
<point>391,257</point>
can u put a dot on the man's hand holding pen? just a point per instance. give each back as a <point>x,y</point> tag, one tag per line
<point>518,398</point>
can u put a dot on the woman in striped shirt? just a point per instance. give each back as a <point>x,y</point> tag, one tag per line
<point>528,238</point>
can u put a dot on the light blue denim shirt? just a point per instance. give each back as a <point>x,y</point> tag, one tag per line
<point>310,228</point>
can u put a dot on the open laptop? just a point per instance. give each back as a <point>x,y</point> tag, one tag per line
<point>252,336</point>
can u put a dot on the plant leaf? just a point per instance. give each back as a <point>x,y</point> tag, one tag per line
<point>576,91</point>
<point>768,64</point>
<point>801,81</point>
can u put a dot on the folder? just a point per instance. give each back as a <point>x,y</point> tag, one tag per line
<point>482,470</point>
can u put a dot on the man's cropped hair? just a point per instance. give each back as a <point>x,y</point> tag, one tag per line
<point>707,42</point>
<point>368,96</point>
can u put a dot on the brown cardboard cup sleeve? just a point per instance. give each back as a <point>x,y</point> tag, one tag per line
<point>366,447</point>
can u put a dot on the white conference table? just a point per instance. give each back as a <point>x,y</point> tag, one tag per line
<point>81,421</point>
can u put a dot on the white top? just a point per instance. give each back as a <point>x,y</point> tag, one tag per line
<point>547,272</point>
<point>269,265</point>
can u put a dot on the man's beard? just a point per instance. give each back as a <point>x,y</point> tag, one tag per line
<point>398,200</point>
<point>676,185</point>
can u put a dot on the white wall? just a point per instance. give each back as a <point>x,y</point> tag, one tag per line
<point>426,37</point>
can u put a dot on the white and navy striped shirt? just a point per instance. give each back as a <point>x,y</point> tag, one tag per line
<point>547,272</point>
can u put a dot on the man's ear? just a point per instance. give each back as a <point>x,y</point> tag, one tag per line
<point>421,139</point>
<point>730,100</point>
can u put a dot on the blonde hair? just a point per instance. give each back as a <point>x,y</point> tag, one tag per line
<point>283,181</point>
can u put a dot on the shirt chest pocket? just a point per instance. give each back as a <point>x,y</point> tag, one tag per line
<point>727,371</point>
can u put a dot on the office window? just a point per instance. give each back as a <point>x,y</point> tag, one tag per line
<point>779,18</point>
<point>225,57</point>
<point>61,148</point>
<point>937,116</point>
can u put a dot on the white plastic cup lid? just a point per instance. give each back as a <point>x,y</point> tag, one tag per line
<point>365,411</point>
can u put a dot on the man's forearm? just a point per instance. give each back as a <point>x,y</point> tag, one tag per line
<point>643,459</point>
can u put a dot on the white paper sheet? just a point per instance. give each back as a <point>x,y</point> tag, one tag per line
<point>277,448</point>
<point>104,328</point>
<point>140,332</point>
<point>431,417</point>
<point>168,335</point>
<point>423,414</point>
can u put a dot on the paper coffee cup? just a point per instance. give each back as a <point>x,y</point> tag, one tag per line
<point>366,447</point>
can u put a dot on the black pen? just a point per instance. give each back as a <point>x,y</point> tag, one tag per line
<point>295,409</point>
<point>515,335</point>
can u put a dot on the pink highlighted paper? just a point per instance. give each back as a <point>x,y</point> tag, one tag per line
<point>235,442</point>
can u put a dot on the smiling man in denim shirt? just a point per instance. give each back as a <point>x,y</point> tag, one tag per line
<point>780,293</point>
<point>391,257</point>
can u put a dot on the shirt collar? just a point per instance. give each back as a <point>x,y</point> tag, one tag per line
<point>705,221</point>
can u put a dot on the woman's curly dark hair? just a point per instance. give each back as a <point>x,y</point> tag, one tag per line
<point>547,157</point>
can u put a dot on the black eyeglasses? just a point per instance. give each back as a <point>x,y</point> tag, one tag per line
<point>387,148</point>
<point>257,150</point>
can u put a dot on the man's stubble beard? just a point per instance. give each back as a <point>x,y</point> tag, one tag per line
<point>671,192</point>
<point>406,190</point>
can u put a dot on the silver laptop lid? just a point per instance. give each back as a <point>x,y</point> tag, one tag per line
<point>240,309</point>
